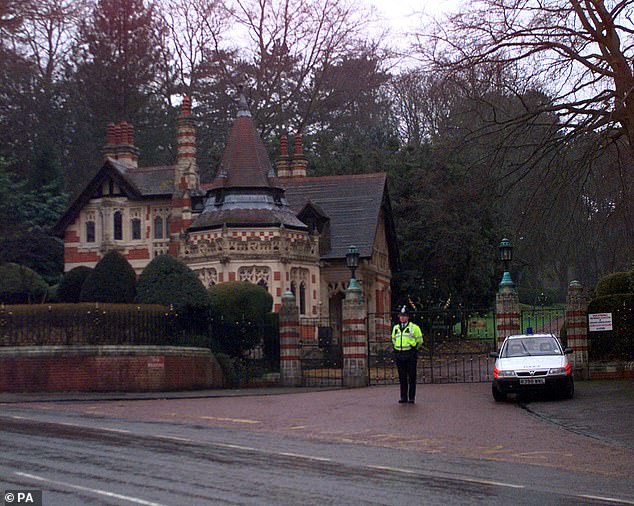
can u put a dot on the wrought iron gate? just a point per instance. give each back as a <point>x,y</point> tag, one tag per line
<point>321,352</point>
<point>455,350</point>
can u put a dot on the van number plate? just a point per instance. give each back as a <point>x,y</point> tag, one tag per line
<point>532,381</point>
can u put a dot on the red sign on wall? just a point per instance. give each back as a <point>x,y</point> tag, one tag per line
<point>156,362</point>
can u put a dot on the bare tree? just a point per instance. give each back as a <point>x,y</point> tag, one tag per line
<point>580,50</point>
<point>47,33</point>
<point>195,30</point>
<point>291,44</point>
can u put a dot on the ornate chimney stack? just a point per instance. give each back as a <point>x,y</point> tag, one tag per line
<point>298,161</point>
<point>283,163</point>
<point>186,166</point>
<point>120,144</point>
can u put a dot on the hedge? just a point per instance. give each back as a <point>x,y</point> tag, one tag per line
<point>611,284</point>
<point>80,324</point>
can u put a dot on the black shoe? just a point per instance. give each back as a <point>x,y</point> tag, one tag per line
<point>411,401</point>
<point>402,401</point>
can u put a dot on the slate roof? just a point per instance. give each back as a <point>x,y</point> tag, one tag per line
<point>152,181</point>
<point>353,204</point>
<point>136,183</point>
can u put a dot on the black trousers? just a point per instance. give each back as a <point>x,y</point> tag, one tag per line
<point>406,365</point>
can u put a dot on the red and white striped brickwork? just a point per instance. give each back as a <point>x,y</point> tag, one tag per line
<point>355,341</point>
<point>290,360</point>
<point>577,324</point>
<point>507,309</point>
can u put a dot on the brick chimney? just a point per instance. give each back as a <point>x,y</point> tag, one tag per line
<point>283,162</point>
<point>298,161</point>
<point>120,144</point>
<point>186,166</point>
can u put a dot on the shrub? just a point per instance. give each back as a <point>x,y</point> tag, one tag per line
<point>229,373</point>
<point>617,282</point>
<point>21,285</point>
<point>70,287</point>
<point>168,281</point>
<point>112,280</point>
<point>240,311</point>
<point>236,301</point>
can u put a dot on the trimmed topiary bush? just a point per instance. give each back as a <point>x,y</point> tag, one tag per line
<point>617,282</point>
<point>240,301</point>
<point>21,285</point>
<point>69,288</point>
<point>113,280</point>
<point>168,281</point>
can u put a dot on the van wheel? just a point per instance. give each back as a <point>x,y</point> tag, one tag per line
<point>497,394</point>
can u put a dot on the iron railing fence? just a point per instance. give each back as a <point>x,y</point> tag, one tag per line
<point>253,347</point>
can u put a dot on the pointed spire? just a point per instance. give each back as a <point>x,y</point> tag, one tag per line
<point>243,107</point>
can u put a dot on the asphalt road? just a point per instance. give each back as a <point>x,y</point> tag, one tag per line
<point>455,446</point>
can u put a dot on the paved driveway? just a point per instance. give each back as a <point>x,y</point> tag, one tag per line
<point>603,410</point>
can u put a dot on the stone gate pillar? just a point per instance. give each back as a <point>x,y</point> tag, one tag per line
<point>355,338</point>
<point>577,327</point>
<point>507,311</point>
<point>290,360</point>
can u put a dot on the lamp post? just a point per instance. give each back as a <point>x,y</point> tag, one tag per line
<point>505,255</point>
<point>352,261</point>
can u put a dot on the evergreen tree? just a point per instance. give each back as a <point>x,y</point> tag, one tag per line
<point>112,280</point>
<point>70,286</point>
<point>168,281</point>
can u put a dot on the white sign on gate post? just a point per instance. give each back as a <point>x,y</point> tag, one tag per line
<point>600,321</point>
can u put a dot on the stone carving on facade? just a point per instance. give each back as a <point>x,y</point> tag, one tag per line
<point>258,275</point>
<point>208,276</point>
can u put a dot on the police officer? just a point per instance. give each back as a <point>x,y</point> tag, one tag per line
<point>407,340</point>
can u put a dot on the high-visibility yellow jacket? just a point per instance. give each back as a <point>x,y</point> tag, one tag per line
<point>409,338</point>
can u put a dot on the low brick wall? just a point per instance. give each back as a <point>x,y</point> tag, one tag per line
<point>614,370</point>
<point>107,369</point>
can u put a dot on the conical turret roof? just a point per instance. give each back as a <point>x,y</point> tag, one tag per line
<point>244,194</point>
<point>245,161</point>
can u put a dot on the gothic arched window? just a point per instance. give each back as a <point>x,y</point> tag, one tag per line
<point>118,226</point>
<point>302,298</point>
<point>90,231</point>
<point>136,228</point>
<point>158,227</point>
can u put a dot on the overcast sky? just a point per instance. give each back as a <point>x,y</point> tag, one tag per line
<point>405,15</point>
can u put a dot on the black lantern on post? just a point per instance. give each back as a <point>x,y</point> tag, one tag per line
<point>505,255</point>
<point>352,260</point>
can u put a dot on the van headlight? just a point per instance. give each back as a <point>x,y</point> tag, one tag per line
<point>506,374</point>
<point>557,370</point>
